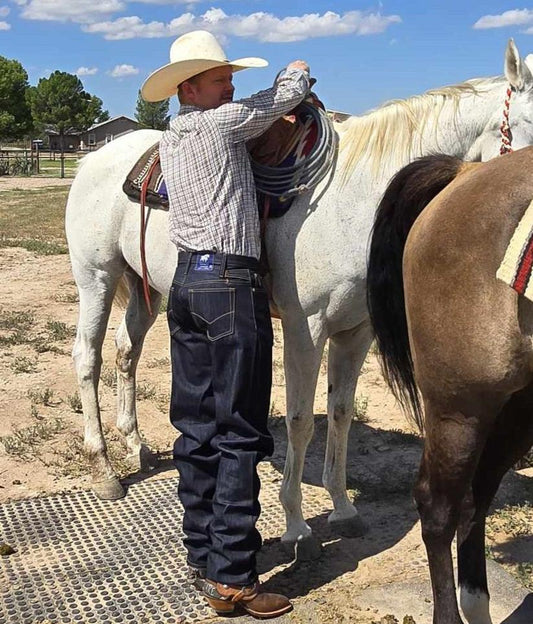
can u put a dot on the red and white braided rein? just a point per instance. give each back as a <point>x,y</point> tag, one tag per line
<point>505,128</point>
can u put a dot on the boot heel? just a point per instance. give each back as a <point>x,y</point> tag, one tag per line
<point>221,606</point>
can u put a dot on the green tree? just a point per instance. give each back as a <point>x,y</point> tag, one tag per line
<point>99,114</point>
<point>60,104</point>
<point>15,114</point>
<point>152,114</point>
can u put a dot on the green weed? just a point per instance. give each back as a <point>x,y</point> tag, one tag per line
<point>41,396</point>
<point>60,331</point>
<point>23,364</point>
<point>108,377</point>
<point>23,443</point>
<point>41,248</point>
<point>74,402</point>
<point>145,391</point>
<point>360,409</point>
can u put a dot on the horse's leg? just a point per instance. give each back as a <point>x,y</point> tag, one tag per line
<point>129,341</point>
<point>451,450</point>
<point>509,440</point>
<point>303,347</point>
<point>96,291</point>
<point>347,351</point>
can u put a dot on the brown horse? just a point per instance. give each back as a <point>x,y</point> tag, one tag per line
<point>447,328</point>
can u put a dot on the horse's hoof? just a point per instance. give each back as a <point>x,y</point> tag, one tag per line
<point>349,527</point>
<point>304,549</point>
<point>108,489</point>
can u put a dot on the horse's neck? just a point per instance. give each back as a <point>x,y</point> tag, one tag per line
<point>450,121</point>
<point>460,124</point>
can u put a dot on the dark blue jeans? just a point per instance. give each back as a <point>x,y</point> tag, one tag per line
<point>221,349</point>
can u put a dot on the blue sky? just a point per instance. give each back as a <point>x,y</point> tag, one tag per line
<point>362,53</point>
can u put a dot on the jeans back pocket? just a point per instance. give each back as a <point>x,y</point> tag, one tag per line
<point>213,310</point>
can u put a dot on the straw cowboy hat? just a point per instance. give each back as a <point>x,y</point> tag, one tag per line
<point>191,54</point>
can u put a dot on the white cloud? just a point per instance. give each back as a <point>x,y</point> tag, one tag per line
<point>261,26</point>
<point>167,1</point>
<point>86,71</point>
<point>516,17</point>
<point>4,11</point>
<point>5,26</point>
<point>120,71</point>
<point>81,11</point>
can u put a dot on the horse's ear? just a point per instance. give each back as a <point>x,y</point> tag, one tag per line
<point>516,71</point>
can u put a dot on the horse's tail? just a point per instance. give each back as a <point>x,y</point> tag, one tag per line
<point>122,293</point>
<point>408,193</point>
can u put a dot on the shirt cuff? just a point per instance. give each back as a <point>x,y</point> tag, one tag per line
<point>292,72</point>
<point>297,76</point>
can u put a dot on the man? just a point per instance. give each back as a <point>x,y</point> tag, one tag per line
<point>218,312</point>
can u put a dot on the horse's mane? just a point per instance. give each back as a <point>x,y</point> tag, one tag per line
<point>396,125</point>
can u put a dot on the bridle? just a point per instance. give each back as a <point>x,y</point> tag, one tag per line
<point>505,128</point>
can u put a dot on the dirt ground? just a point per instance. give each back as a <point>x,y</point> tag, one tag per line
<point>8,183</point>
<point>41,429</point>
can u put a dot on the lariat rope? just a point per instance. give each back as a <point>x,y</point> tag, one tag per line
<point>144,188</point>
<point>286,182</point>
<point>505,128</point>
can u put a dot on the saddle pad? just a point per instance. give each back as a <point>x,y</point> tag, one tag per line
<point>156,193</point>
<point>517,265</point>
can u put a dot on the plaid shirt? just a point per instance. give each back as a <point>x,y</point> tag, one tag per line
<point>212,196</point>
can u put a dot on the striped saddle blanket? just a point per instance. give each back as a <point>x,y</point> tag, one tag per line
<point>517,265</point>
<point>286,142</point>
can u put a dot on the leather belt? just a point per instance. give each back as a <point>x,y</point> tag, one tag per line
<point>225,261</point>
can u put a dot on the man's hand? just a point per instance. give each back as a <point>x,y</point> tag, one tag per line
<point>299,65</point>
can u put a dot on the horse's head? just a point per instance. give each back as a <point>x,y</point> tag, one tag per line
<point>511,125</point>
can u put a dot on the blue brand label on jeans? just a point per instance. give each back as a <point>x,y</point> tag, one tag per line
<point>204,262</point>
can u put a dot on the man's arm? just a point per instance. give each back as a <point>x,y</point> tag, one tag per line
<point>250,117</point>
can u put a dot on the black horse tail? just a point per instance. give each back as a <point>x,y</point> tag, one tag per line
<point>408,193</point>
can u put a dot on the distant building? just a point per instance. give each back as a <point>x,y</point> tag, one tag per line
<point>97,135</point>
<point>338,116</point>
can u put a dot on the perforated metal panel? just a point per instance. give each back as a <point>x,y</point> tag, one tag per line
<point>80,559</point>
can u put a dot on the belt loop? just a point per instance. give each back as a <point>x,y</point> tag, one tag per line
<point>189,258</point>
<point>223,261</point>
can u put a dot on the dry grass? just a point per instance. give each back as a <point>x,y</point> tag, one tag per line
<point>71,460</point>
<point>59,331</point>
<point>15,329</point>
<point>74,402</point>
<point>34,215</point>
<point>42,396</point>
<point>24,443</point>
<point>513,520</point>
<point>23,364</point>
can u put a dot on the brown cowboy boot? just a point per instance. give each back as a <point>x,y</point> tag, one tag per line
<point>224,598</point>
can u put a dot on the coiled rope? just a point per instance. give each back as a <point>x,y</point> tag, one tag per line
<point>286,182</point>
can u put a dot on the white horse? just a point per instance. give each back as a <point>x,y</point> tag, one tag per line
<point>318,257</point>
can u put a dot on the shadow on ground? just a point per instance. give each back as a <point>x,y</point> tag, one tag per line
<point>381,470</point>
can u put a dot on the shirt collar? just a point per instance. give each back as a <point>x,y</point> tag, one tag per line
<point>188,108</point>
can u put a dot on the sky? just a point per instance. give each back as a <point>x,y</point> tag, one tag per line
<point>361,53</point>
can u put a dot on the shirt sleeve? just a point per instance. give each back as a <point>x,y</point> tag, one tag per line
<point>250,117</point>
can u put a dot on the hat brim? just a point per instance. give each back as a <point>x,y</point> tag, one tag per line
<point>162,83</point>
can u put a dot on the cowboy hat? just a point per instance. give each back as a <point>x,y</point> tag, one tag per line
<point>191,54</point>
